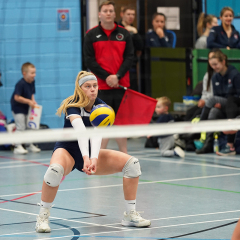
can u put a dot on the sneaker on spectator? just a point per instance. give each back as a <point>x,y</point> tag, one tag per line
<point>19,149</point>
<point>179,152</point>
<point>134,219</point>
<point>179,142</point>
<point>226,151</point>
<point>33,148</point>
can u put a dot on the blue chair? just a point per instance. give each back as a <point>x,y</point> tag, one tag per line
<point>174,38</point>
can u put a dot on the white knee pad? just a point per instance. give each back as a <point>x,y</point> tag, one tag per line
<point>132,168</point>
<point>54,175</point>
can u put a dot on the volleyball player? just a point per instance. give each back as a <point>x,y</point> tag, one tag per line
<point>70,155</point>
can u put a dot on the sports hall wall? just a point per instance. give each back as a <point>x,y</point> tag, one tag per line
<point>214,7</point>
<point>29,32</point>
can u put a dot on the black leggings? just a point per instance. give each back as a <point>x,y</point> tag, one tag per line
<point>233,107</point>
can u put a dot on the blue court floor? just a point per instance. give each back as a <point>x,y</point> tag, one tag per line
<point>193,198</point>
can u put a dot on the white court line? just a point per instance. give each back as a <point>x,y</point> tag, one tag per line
<point>69,220</point>
<point>140,183</point>
<point>185,162</point>
<point>141,229</point>
<point>19,161</point>
<point>52,229</point>
<point>153,151</point>
<point>187,216</point>
<point>24,165</point>
<point>216,157</point>
<point>107,225</point>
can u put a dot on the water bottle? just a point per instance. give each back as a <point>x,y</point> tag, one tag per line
<point>216,144</point>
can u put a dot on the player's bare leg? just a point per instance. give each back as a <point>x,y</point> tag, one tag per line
<point>110,162</point>
<point>65,161</point>
<point>122,144</point>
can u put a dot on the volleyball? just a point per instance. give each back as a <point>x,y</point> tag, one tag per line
<point>102,115</point>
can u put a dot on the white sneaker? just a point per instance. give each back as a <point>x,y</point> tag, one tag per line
<point>33,148</point>
<point>134,219</point>
<point>42,225</point>
<point>179,152</point>
<point>20,150</point>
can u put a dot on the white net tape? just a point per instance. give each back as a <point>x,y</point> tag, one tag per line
<point>69,134</point>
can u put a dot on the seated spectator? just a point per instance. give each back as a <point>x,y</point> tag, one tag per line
<point>225,83</point>
<point>207,92</point>
<point>159,36</point>
<point>166,143</point>
<point>224,36</point>
<point>205,23</point>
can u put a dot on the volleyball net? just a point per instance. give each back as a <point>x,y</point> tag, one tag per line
<point>127,131</point>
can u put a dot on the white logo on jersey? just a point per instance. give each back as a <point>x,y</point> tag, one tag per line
<point>98,36</point>
<point>217,83</point>
<point>152,39</point>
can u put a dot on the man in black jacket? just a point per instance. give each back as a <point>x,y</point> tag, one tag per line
<point>127,18</point>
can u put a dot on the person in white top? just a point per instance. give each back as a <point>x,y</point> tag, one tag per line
<point>205,23</point>
<point>207,92</point>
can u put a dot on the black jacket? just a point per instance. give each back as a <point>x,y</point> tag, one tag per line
<point>137,43</point>
<point>227,85</point>
<point>219,39</point>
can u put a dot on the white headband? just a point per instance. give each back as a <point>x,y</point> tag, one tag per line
<point>82,80</point>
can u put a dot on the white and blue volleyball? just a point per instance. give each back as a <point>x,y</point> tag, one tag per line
<point>102,115</point>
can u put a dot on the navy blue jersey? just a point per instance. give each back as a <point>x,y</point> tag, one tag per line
<point>227,85</point>
<point>23,89</point>
<point>80,112</point>
<point>165,118</point>
<point>153,40</point>
<point>85,117</point>
<point>219,39</point>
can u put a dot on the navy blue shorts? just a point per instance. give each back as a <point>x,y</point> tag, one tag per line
<point>74,151</point>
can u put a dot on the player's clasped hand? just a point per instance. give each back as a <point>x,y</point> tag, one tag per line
<point>90,165</point>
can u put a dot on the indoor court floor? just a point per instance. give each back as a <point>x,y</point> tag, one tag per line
<point>197,197</point>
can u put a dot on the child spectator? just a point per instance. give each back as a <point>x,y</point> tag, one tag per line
<point>166,143</point>
<point>22,98</point>
<point>205,23</point>
<point>159,36</point>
